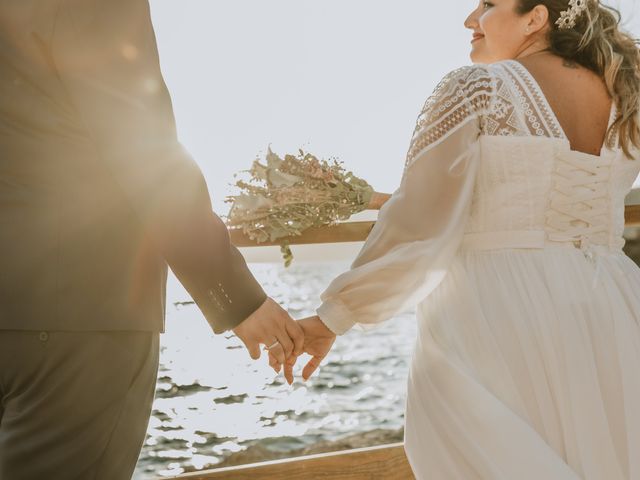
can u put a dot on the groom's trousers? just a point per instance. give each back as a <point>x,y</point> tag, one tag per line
<point>74,405</point>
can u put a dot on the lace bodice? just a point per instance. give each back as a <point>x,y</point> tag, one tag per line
<point>488,166</point>
<point>529,178</point>
<point>569,195</point>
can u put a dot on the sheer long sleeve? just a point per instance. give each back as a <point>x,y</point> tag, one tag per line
<point>420,228</point>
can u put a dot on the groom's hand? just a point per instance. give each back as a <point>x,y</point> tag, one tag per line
<point>318,340</point>
<point>271,324</point>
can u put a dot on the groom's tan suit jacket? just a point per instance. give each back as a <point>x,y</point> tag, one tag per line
<point>97,196</point>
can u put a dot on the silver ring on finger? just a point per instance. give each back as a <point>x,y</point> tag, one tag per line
<point>272,345</point>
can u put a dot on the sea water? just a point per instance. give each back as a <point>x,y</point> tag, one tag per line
<point>212,400</point>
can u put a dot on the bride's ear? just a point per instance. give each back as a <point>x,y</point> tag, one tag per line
<point>538,19</point>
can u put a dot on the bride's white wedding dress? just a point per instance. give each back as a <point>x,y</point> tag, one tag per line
<point>527,361</point>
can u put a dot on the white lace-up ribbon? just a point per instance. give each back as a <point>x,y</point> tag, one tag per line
<point>578,213</point>
<point>579,209</point>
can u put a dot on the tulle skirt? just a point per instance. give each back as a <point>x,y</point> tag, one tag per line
<point>527,367</point>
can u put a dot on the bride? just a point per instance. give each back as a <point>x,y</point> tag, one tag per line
<point>506,234</point>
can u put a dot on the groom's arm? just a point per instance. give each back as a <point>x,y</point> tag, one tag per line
<point>104,52</point>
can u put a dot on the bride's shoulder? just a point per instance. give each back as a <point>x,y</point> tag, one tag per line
<point>462,93</point>
<point>475,70</point>
<point>475,78</point>
<point>475,83</point>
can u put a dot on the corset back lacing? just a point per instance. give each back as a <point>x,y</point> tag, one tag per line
<point>579,209</point>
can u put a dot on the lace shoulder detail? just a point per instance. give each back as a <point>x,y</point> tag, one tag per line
<point>536,115</point>
<point>462,95</point>
<point>520,108</point>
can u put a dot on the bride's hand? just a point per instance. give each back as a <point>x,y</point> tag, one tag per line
<point>318,340</point>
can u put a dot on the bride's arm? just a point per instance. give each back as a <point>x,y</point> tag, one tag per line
<point>420,228</point>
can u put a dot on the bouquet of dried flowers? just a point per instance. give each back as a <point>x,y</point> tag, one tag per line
<point>287,196</point>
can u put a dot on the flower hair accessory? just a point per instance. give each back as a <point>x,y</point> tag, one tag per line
<point>568,17</point>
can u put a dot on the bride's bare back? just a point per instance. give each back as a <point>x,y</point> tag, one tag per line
<point>578,97</point>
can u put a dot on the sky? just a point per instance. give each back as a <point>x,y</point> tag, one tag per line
<point>338,78</point>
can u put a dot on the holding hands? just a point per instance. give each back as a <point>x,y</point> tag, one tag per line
<point>272,326</point>
<point>318,340</point>
<point>285,339</point>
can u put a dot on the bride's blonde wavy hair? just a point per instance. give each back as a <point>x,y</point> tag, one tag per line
<point>597,43</point>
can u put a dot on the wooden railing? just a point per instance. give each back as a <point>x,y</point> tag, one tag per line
<point>632,215</point>
<point>386,462</point>
<point>358,231</point>
<point>382,462</point>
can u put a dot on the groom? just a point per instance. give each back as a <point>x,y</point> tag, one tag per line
<point>97,196</point>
